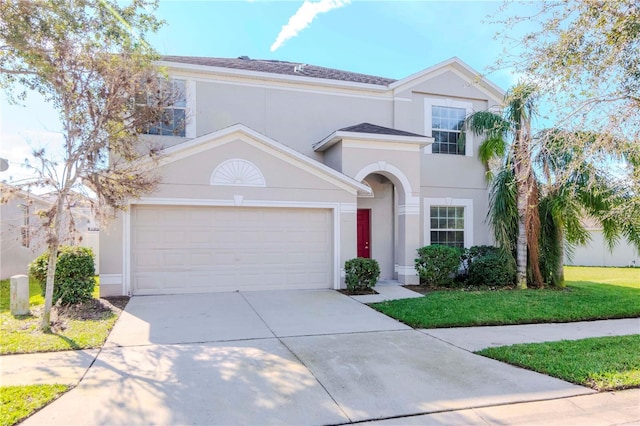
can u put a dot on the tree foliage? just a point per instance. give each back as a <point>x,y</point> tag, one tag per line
<point>89,59</point>
<point>584,56</point>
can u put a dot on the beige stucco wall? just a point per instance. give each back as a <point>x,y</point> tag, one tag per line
<point>480,198</point>
<point>294,116</point>
<point>187,181</point>
<point>597,253</point>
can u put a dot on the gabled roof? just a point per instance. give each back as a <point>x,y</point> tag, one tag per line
<point>455,63</point>
<point>375,129</point>
<point>281,67</point>
<point>202,143</point>
<point>371,132</point>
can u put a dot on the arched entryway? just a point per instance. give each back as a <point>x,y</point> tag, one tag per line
<point>388,221</point>
<point>377,225</point>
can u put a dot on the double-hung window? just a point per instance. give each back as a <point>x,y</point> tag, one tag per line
<point>448,221</point>
<point>444,121</point>
<point>447,225</point>
<point>446,125</point>
<point>173,119</point>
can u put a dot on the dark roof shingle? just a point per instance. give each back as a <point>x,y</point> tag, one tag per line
<point>281,67</point>
<point>380,130</point>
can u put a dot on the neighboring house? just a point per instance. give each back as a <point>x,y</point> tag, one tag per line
<point>283,171</point>
<point>21,235</point>
<point>19,243</point>
<point>597,252</point>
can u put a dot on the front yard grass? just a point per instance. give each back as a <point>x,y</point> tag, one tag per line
<point>602,363</point>
<point>19,402</point>
<point>591,294</point>
<point>77,327</point>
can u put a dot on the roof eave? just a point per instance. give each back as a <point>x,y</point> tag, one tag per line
<point>335,137</point>
<point>235,72</point>
<point>495,91</point>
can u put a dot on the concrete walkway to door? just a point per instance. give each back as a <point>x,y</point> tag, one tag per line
<point>287,357</point>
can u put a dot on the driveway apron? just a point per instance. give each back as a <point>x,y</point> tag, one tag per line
<point>287,357</point>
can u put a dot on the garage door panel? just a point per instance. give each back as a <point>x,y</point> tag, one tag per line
<point>180,249</point>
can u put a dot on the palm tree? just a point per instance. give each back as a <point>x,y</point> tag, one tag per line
<point>509,137</point>
<point>574,189</point>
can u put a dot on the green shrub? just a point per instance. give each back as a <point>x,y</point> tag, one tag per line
<point>437,265</point>
<point>474,253</point>
<point>494,269</point>
<point>361,273</point>
<point>74,279</point>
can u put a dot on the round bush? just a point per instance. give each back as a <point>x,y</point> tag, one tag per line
<point>437,265</point>
<point>74,279</point>
<point>361,273</point>
<point>494,269</point>
<point>475,252</point>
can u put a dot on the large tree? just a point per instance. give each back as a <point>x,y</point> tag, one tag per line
<point>584,56</point>
<point>586,193</point>
<point>89,59</point>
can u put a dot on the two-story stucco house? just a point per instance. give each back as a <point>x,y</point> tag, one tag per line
<point>283,171</point>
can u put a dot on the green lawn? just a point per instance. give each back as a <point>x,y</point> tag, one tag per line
<point>21,334</point>
<point>18,402</point>
<point>603,363</point>
<point>591,293</point>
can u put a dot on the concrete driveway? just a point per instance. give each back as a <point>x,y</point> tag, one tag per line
<point>286,357</point>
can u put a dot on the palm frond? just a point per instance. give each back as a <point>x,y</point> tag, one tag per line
<point>503,209</point>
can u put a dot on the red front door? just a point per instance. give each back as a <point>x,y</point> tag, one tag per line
<point>364,232</point>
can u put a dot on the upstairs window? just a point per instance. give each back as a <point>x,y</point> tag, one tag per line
<point>173,120</point>
<point>444,122</point>
<point>446,125</point>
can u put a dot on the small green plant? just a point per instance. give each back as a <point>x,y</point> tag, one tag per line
<point>361,273</point>
<point>74,279</point>
<point>494,269</point>
<point>472,253</point>
<point>437,265</point>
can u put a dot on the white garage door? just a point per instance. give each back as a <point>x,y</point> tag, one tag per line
<point>188,249</point>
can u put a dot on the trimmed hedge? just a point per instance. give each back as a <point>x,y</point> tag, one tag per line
<point>437,265</point>
<point>494,269</point>
<point>361,273</point>
<point>74,279</point>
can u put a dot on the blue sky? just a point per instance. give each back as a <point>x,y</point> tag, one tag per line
<point>386,38</point>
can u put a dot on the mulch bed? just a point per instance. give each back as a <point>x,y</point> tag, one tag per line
<point>419,288</point>
<point>357,292</point>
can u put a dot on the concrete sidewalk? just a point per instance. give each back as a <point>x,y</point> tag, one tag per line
<point>609,408</point>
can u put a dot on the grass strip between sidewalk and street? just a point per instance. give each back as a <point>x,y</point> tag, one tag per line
<point>19,402</point>
<point>602,363</point>
<point>591,294</point>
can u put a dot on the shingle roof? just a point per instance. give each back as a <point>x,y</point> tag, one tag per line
<point>281,67</point>
<point>380,130</point>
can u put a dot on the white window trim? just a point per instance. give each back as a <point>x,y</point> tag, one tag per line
<point>467,203</point>
<point>429,103</point>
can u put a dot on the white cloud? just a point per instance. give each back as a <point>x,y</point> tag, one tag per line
<point>303,18</point>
